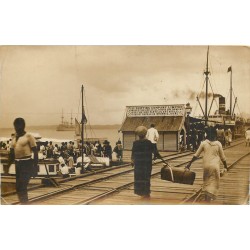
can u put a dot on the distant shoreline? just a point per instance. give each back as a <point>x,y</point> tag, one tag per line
<point>113,126</point>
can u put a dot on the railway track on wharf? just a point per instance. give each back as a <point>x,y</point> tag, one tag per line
<point>116,186</point>
<point>41,192</point>
<point>234,184</point>
<point>164,192</point>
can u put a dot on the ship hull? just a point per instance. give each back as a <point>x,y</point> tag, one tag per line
<point>65,128</point>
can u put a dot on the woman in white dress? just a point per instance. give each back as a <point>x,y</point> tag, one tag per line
<point>213,153</point>
<point>247,136</point>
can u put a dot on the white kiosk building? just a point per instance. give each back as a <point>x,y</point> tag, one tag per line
<point>168,120</point>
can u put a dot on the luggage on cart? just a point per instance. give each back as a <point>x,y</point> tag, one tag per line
<point>177,175</point>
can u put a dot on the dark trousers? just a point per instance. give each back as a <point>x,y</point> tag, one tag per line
<point>23,175</point>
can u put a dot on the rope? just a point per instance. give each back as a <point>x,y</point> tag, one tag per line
<point>92,133</point>
<point>79,106</point>
<point>77,80</point>
<point>201,86</point>
<point>199,96</point>
<point>213,94</point>
<point>212,74</point>
<point>237,103</point>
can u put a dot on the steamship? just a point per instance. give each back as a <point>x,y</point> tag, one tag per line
<point>222,116</point>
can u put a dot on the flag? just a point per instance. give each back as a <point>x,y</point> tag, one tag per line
<point>77,127</point>
<point>229,69</point>
<point>84,119</point>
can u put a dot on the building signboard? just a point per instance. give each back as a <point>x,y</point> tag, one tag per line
<point>230,122</point>
<point>156,110</point>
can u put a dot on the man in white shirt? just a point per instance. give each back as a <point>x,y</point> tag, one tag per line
<point>23,146</point>
<point>153,136</point>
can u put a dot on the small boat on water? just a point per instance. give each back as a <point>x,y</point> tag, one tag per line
<point>51,166</point>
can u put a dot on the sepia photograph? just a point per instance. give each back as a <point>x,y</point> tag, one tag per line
<point>124,124</point>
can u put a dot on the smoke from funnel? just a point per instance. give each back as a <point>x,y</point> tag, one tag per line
<point>217,95</point>
<point>202,95</point>
<point>191,95</point>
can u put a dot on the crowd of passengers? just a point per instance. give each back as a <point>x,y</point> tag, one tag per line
<point>70,150</point>
<point>197,134</point>
<point>68,154</point>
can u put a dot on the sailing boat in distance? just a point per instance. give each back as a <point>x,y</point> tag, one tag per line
<point>66,126</point>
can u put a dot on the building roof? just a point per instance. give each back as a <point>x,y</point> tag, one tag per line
<point>162,123</point>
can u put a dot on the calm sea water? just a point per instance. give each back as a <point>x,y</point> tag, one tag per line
<point>111,135</point>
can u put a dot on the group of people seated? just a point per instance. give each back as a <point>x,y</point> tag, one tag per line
<point>69,155</point>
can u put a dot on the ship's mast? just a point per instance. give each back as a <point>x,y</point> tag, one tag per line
<point>206,97</point>
<point>62,116</point>
<point>231,90</point>
<point>71,119</point>
<point>82,134</point>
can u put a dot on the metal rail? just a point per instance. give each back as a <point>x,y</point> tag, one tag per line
<point>115,190</point>
<point>169,157</point>
<point>155,174</point>
<point>100,179</point>
<point>194,197</point>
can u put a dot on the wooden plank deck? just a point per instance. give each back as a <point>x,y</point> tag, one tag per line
<point>234,186</point>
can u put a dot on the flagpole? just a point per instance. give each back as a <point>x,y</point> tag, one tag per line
<point>206,97</point>
<point>82,133</point>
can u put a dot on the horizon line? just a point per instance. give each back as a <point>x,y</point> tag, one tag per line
<point>53,125</point>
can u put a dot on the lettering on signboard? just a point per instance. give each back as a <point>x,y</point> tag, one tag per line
<point>164,110</point>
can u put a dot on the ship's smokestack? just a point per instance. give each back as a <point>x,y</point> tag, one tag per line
<point>222,105</point>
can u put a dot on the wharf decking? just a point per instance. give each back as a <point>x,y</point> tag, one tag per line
<point>234,185</point>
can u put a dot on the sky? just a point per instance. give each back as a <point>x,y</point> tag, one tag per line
<point>38,83</point>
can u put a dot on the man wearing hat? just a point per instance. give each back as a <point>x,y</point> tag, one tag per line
<point>141,159</point>
<point>118,150</point>
<point>107,149</point>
